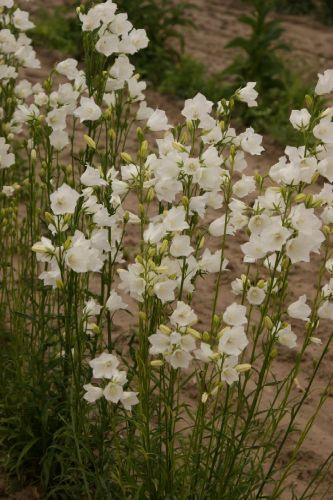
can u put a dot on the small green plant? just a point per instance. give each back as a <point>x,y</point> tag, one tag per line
<point>189,77</point>
<point>162,20</point>
<point>259,59</point>
<point>295,6</point>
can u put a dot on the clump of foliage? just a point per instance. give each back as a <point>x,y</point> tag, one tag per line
<point>259,59</point>
<point>323,9</point>
<point>163,21</point>
<point>189,77</point>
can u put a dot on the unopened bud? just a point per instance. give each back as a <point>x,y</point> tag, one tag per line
<point>315,340</point>
<point>308,101</point>
<point>157,362</point>
<point>185,201</point>
<point>179,147</point>
<point>205,336</point>
<point>245,367</point>
<point>94,328</point>
<point>68,243</point>
<point>202,242</point>
<point>314,178</point>
<point>60,284</point>
<point>142,316</point>
<point>299,198</point>
<point>326,230</point>
<point>164,247</point>
<point>33,155</point>
<point>126,217</point>
<point>126,157</point>
<point>261,284</point>
<point>268,322</point>
<point>89,141</point>
<point>165,329</point>
<point>150,194</point>
<point>273,354</point>
<point>49,218</point>
<point>194,333</point>
<point>216,320</point>
<point>204,397</point>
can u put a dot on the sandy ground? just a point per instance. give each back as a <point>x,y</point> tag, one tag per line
<point>312,52</point>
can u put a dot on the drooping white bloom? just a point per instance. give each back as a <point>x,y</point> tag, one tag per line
<point>88,110</point>
<point>255,295</point>
<point>92,308</point>
<point>63,200</point>
<point>251,142</point>
<point>197,108</point>
<point>174,220</point>
<point>235,315</point>
<point>68,68</point>
<point>115,302</point>
<point>164,290</point>
<point>105,365</point>
<point>325,83</point>
<point>299,309</point>
<point>6,159</point>
<point>325,311</point>
<point>180,359</point>
<point>181,246</point>
<point>91,177</point>
<point>248,94</point>
<point>183,315</point>
<point>59,139</point>
<point>287,337</point>
<point>204,353</point>
<point>93,393</point>
<point>114,391</point>
<point>158,121</point>
<point>233,341</point>
<point>300,118</point>
<point>229,374</point>
<point>129,399</point>
<point>324,130</point>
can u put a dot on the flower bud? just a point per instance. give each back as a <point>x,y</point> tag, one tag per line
<point>164,247</point>
<point>150,194</point>
<point>185,201</point>
<point>165,329</point>
<point>94,328</point>
<point>315,177</point>
<point>315,340</point>
<point>268,323</point>
<point>308,101</point>
<point>326,230</point>
<point>33,155</point>
<point>202,242</point>
<point>126,217</point>
<point>205,336</point>
<point>194,333</point>
<point>179,147</point>
<point>157,362</point>
<point>216,321</point>
<point>142,316</point>
<point>204,397</point>
<point>49,218</point>
<point>139,134</point>
<point>273,354</point>
<point>68,243</point>
<point>60,284</point>
<point>126,157</point>
<point>112,134</point>
<point>144,149</point>
<point>89,141</point>
<point>299,198</point>
<point>38,248</point>
<point>245,367</point>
